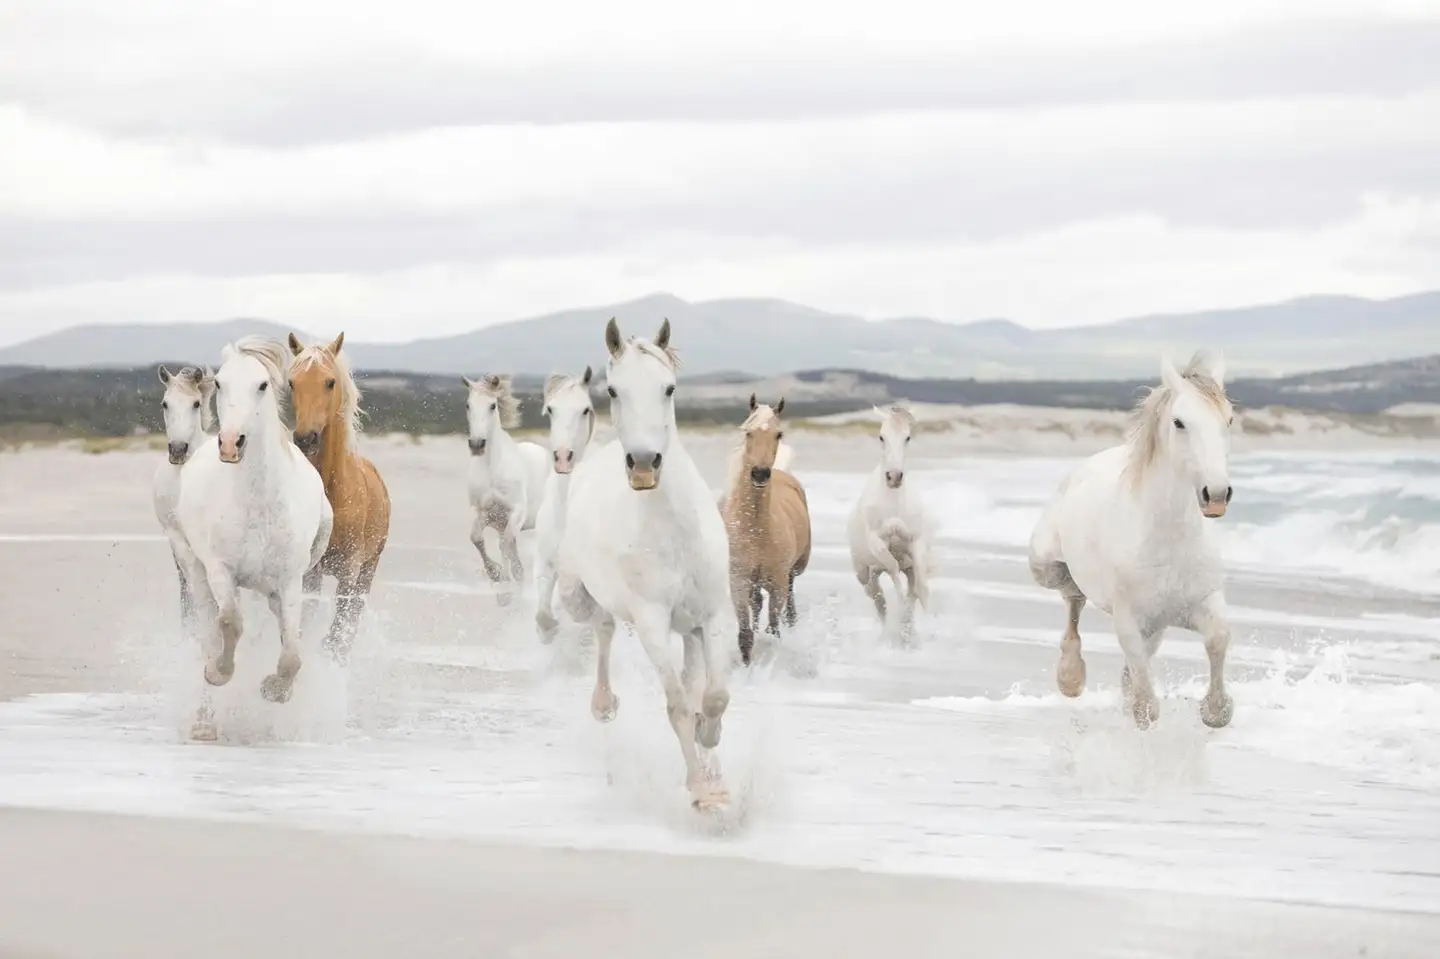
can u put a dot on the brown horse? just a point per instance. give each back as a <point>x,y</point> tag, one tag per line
<point>768,521</point>
<point>327,411</point>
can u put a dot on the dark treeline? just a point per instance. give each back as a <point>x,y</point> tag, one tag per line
<point>120,402</point>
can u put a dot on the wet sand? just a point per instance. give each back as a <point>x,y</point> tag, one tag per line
<point>88,608</point>
<point>93,887</point>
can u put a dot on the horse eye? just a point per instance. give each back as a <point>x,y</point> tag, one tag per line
<point>547,411</point>
<point>907,439</point>
<point>670,390</point>
<point>264,387</point>
<point>779,436</point>
<point>165,405</point>
<point>492,407</point>
<point>611,391</point>
<point>196,406</point>
<point>329,384</point>
<point>1179,425</point>
<point>588,412</point>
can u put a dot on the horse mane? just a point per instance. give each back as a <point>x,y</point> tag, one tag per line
<point>199,383</point>
<point>274,357</point>
<point>499,386</point>
<point>901,413</point>
<point>349,390</point>
<point>666,355</point>
<point>1153,409</point>
<point>559,382</point>
<point>761,417</point>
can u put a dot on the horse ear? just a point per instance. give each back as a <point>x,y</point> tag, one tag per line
<point>207,381</point>
<point>662,339</point>
<point>164,375</point>
<point>753,402</point>
<point>1169,375</point>
<point>780,406</point>
<point>469,383</point>
<point>585,380</point>
<point>1209,363</point>
<point>613,342</point>
<point>338,342</point>
<point>195,375</point>
<point>296,346</point>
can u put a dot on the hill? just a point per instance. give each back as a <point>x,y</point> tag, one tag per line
<point>768,337</point>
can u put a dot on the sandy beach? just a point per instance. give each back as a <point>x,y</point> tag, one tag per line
<point>448,794</point>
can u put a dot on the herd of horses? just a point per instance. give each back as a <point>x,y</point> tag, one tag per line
<point>629,531</point>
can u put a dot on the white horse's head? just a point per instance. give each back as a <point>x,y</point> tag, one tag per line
<point>572,417</point>
<point>640,378</point>
<point>1188,421</point>
<point>897,424</point>
<point>248,387</point>
<point>492,405</point>
<point>187,410</point>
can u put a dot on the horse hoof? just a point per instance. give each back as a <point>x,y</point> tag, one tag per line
<point>709,797</point>
<point>203,732</point>
<point>277,690</point>
<point>1147,712</point>
<point>215,676</point>
<point>1070,676</point>
<point>504,599</point>
<point>604,706</point>
<point>1216,712</point>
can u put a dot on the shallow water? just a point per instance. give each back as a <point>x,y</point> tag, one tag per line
<point>955,756</point>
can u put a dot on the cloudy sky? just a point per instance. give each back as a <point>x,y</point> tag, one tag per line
<point>424,167</point>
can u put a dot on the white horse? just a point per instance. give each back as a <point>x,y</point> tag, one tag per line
<point>1127,530</point>
<point>571,412</point>
<point>507,478</point>
<point>888,528</point>
<point>645,544</point>
<point>186,406</point>
<point>252,512</point>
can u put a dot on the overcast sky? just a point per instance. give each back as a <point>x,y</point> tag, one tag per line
<point>427,167</point>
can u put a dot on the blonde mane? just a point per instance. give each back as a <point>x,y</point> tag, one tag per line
<point>1153,410</point>
<point>557,383</point>
<point>666,355</point>
<point>498,386</point>
<point>900,413</point>
<point>345,384</point>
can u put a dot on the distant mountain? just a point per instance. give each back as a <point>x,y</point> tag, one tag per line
<point>767,337</point>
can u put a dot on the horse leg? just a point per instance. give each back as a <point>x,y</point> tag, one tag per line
<point>790,617</point>
<point>907,617</point>
<point>716,698</point>
<point>1211,620</point>
<point>313,580</point>
<point>745,596</point>
<point>603,702</point>
<point>1070,671</point>
<point>221,667</point>
<point>1137,645</point>
<point>653,625</point>
<point>870,579</point>
<point>288,606</point>
<point>545,622</point>
<point>779,599</point>
<point>352,587</point>
<point>510,551</point>
<point>694,676</point>
<point>205,615</point>
<point>477,536</point>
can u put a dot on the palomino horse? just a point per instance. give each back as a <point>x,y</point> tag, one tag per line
<point>767,519</point>
<point>186,406</point>
<point>571,413</point>
<point>645,544</point>
<point>1127,530</point>
<point>507,478</point>
<point>327,420</point>
<point>252,514</point>
<point>889,531</point>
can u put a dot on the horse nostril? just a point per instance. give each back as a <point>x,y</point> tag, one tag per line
<point>629,461</point>
<point>655,463</point>
<point>1204,494</point>
<point>1229,492</point>
<point>240,442</point>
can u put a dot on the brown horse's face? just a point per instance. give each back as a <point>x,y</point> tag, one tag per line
<point>762,443</point>
<point>314,398</point>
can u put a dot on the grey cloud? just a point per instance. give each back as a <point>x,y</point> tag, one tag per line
<point>984,193</point>
<point>333,102</point>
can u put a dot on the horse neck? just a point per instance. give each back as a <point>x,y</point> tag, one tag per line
<point>1166,493</point>
<point>264,458</point>
<point>333,457</point>
<point>751,504</point>
<point>504,448</point>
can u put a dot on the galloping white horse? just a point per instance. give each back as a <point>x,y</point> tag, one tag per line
<point>1127,530</point>
<point>644,543</point>
<point>252,512</point>
<point>507,478</point>
<point>889,530</point>
<point>571,412</point>
<point>186,406</point>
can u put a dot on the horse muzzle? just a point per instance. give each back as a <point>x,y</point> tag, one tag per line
<point>308,443</point>
<point>564,461</point>
<point>477,447</point>
<point>893,479</point>
<point>179,453</point>
<point>643,470</point>
<point>232,448</point>
<point>1213,507</point>
<point>759,477</point>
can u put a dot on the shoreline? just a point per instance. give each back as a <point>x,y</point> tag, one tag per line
<point>150,885</point>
